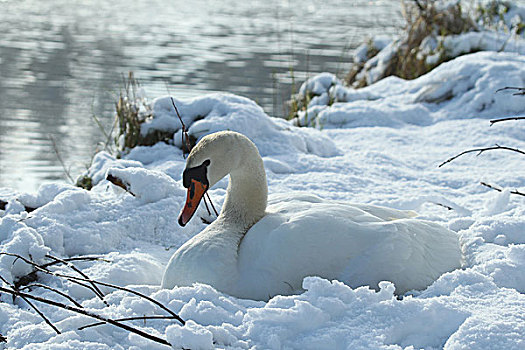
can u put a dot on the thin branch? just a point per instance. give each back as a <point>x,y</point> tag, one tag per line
<point>206,199</point>
<point>177,317</point>
<point>443,205</point>
<point>38,312</point>
<point>14,292</point>
<point>87,313</point>
<point>206,204</point>
<point>420,6</point>
<point>74,268</point>
<point>481,150</point>
<point>59,157</point>
<point>3,339</point>
<point>521,90</point>
<point>76,258</point>
<point>493,121</point>
<point>134,318</point>
<point>99,124</point>
<point>39,285</point>
<point>186,140</point>
<point>32,277</point>
<point>120,183</point>
<point>213,207</point>
<point>184,134</point>
<point>3,206</point>
<point>78,279</point>
<point>46,271</point>
<point>110,134</point>
<point>499,189</point>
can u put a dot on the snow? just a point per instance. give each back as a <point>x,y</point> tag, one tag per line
<point>377,43</point>
<point>459,89</point>
<point>436,47</point>
<point>190,336</point>
<point>378,145</point>
<point>217,112</point>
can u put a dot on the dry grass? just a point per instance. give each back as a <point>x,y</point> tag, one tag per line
<point>423,19</point>
<point>491,15</point>
<point>132,110</point>
<point>128,108</point>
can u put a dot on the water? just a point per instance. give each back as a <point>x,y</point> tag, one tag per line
<point>62,61</point>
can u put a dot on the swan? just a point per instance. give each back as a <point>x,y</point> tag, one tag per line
<point>255,252</point>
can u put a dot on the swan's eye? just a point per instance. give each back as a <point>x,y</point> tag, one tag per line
<point>206,162</point>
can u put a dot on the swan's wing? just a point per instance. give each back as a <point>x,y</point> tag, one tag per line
<point>281,249</point>
<point>386,214</point>
<point>412,254</point>
<point>298,201</point>
<point>340,241</point>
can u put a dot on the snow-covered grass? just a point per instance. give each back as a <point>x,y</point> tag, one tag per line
<point>379,145</point>
<point>460,89</point>
<point>436,32</point>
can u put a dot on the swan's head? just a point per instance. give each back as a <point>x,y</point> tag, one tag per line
<point>209,161</point>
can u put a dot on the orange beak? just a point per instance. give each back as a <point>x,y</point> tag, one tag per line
<point>195,193</point>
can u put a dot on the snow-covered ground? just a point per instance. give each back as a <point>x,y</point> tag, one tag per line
<point>380,145</point>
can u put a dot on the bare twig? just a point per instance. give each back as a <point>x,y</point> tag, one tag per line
<point>3,206</point>
<point>109,138</point>
<point>481,150</point>
<point>79,280</point>
<point>59,157</point>
<point>499,189</point>
<point>120,183</point>
<point>74,268</point>
<point>206,204</point>
<point>213,207</point>
<point>177,317</point>
<point>420,6</point>
<point>443,205</point>
<point>107,135</point>
<point>76,258</point>
<point>521,90</point>
<point>32,277</point>
<point>134,318</point>
<point>184,134</point>
<point>15,292</point>
<point>186,141</point>
<point>99,124</point>
<point>87,313</point>
<point>46,271</point>
<point>3,339</point>
<point>493,121</point>
<point>39,285</point>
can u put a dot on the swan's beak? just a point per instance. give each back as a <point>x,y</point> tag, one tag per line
<point>195,192</point>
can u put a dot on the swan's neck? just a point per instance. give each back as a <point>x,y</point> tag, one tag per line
<point>247,194</point>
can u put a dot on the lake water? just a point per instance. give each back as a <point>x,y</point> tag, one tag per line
<point>62,62</point>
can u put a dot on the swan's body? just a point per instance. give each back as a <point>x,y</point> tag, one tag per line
<point>251,252</point>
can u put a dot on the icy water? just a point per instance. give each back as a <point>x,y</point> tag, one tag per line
<point>62,61</point>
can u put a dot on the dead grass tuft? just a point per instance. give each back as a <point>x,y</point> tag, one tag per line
<point>133,110</point>
<point>424,19</point>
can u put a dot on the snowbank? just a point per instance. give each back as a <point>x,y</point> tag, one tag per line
<point>215,112</point>
<point>466,87</point>
<point>379,145</point>
<point>437,32</point>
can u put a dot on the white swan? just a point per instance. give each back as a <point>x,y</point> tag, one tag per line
<point>254,252</point>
